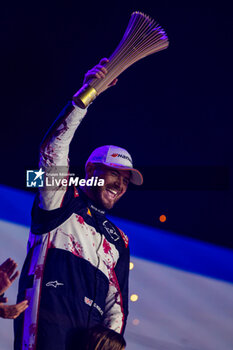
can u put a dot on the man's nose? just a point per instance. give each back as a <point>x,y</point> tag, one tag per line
<point>119,181</point>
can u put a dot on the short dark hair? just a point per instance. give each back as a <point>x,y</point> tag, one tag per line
<point>102,338</point>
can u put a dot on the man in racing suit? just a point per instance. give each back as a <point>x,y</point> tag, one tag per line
<point>75,275</point>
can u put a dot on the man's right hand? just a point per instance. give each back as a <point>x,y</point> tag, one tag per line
<point>98,72</point>
<point>12,311</point>
<point>88,93</point>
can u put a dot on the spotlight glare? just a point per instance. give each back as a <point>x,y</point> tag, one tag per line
<point>162,218</point>
<point>135,322</point>
<point>134,297</point>
<point>131,265</point>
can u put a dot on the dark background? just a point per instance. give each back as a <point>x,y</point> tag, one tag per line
<point>172,111</point>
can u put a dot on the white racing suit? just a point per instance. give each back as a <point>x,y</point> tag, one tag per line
<point>76,271</point>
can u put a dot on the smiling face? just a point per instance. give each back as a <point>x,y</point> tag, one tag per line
<point>115,184</point>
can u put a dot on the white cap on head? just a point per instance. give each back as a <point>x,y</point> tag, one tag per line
<point>118,158</point>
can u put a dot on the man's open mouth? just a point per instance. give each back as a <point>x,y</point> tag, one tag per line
<point>112,194</point>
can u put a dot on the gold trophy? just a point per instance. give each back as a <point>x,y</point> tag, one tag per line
<point>142,37</point>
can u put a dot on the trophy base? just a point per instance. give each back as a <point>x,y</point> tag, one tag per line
<point>84,96</point>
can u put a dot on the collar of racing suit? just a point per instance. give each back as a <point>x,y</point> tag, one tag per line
<point>90,203</point>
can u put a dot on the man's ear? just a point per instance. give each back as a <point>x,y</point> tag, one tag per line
<point>90,170</point>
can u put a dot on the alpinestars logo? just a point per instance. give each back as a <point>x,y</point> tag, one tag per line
<point>54,284</point>
<point>114,155</point>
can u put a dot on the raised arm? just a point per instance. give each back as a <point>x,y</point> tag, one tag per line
<point>54,150</point>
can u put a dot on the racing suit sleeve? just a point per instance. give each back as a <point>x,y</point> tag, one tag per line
<point>54,153</point>
<point>116,309</point>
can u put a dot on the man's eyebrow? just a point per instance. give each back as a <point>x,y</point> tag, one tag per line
<point>125,176</point>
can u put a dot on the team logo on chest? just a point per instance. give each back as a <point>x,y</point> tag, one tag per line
<point>111,230</point>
